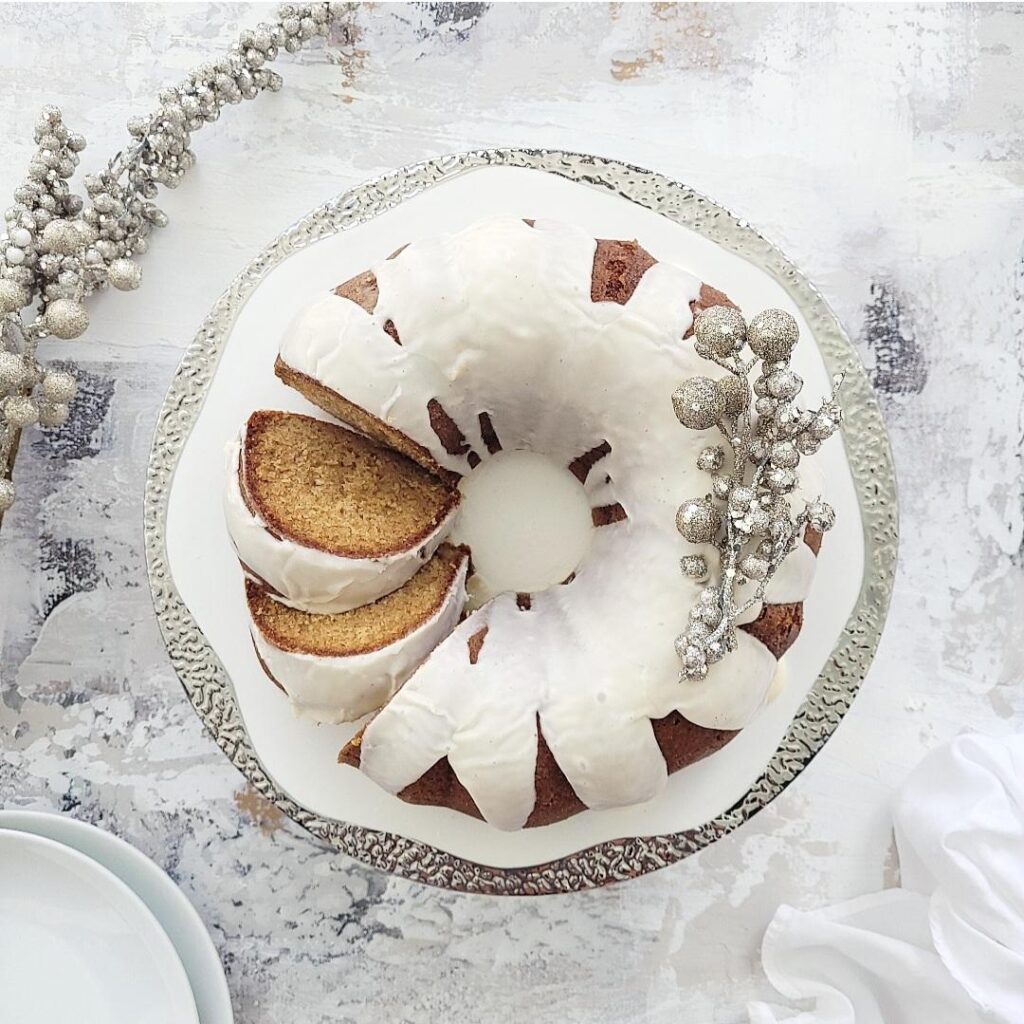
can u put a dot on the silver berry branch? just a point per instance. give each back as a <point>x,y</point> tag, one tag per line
<point>747,514</point>
<point>60,247</point>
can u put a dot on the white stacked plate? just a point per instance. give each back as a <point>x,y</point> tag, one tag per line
<point>92,931</point>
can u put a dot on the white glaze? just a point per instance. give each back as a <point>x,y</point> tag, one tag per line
<point>308,578</point>
<point>343,689</point>
<point>498,318</point>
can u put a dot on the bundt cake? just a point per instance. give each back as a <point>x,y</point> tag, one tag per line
<point>518,335</point>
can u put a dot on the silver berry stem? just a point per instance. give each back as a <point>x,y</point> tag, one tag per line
<point>747,515</point>
<point>60,247</point>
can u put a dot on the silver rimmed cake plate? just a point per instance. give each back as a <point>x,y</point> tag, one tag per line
<point>227,371</point>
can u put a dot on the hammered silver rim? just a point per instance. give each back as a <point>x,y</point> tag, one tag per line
<point>867,446</point>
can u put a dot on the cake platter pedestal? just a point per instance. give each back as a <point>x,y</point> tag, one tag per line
<point>227,372</point>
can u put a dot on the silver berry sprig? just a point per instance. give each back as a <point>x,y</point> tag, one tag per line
<point>60,247</point>
<point>746,514</point>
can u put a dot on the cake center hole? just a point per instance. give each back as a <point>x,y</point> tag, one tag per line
<point>526,519</point>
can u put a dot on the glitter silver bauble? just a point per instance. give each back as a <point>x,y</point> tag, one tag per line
<point>757,450</point>
<point>757,521</point>
<point>821,516</point>
<point>711,459</point>
<point>698,403</point>
<point>721,486</point>
<point>12,371</point>
<point>740,499</point>
<point>709,614</point>
<point>772,334</point>
<point>7,495</point>
<point>58,386</point>
<point>61,236</point>
<point>784,455</point>
<point>66,318</point>
<point>720,330</point>
<point>20,411</point>
<point>736,392</point>
<point>822,427</point>
<point>784,414</point>
<point>124,274</point>
<point>765,406</point>
<point>87,233</point>
<point>698,520</point>
<point>107,249</point>
<point>806,445</point>
<point>780,481</point>
<point>754,567</point>
<point>784,384</point>
<point>694,566</point>
<point>693,657</point>
<point>49,265</point>
<point>697,632</point>
<point>694,660</point>
<point>61,247</point>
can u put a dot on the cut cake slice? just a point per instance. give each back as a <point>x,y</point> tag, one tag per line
<point>337,668</point>
<point>326,519</point>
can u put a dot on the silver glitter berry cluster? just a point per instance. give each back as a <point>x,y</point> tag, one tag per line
<point>60,247</point>
<point>747,513</point>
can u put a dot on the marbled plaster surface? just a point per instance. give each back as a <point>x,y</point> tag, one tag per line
<point>881,147</point>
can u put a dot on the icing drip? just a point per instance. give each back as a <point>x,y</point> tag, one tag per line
<point>499,318</point>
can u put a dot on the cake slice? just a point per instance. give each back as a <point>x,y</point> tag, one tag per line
<point>337,668</point>
<point>324,518</point>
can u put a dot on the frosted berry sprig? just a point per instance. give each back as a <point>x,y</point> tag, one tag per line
<point>746,513</point>
<point>59,247</point>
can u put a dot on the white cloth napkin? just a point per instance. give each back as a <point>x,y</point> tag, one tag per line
<point>948,946</point>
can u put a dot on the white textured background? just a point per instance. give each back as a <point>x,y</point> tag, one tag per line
<point>881,147</point>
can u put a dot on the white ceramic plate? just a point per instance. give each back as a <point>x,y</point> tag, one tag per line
<point>302,756</point>
<point>197,583</point>
<point>168,904</point>
<point>77,945</point>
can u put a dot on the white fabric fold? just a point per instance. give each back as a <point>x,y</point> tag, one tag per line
<point>948,946</point>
